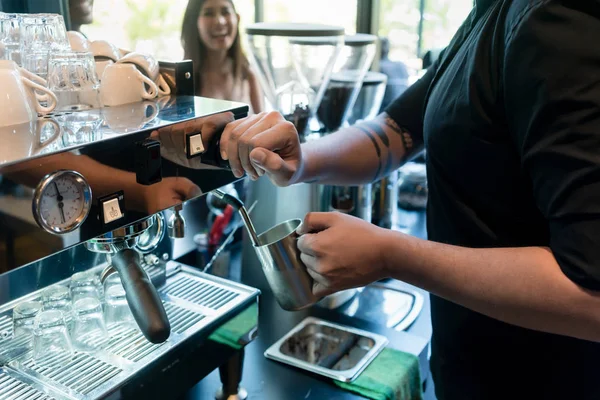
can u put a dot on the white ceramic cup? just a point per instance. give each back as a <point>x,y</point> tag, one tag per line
<point>101,66</point>
<point>19,103</point>
<point>25,140</point>
<point>78,42</point>
<point>123,83</point>
<point>149,67</point>
<point>101,49</point>
<point>129,117</point>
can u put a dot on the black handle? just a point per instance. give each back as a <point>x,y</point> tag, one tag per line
<point>146,306</point>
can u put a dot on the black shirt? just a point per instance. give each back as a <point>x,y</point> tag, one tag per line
<point>510,117</point>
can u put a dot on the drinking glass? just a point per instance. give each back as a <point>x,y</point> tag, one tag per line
<point>72,77</point>
<point>24,317</point>
<point>40,36</point>
<point>58,298</point>
<point>89,331</point>
<point>10,38</point>
<point>80,127</point>
<point>51,343</point>
<point>83,285</point>
<point>117,313</point>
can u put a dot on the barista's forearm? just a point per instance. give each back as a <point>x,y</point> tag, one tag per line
<point>522,286</point>
<point>359,154</point>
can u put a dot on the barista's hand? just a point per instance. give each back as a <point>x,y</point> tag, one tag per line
<point>166,193</point>
<point>263,144</point>
<point>341,251</point>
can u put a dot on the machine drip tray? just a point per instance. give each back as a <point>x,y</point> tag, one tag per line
<point>390,307</point>
<point>193,302</point>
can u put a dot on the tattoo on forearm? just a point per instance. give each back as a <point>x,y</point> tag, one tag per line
<point>377,129</point>
<point>375,144</point>
<point>405,135</point>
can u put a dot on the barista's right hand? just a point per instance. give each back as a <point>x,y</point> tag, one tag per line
<point>263,144</point>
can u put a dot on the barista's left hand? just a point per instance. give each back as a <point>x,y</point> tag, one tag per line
<point>341,251</point>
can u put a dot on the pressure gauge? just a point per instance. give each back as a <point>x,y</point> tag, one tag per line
<point>62,201</point>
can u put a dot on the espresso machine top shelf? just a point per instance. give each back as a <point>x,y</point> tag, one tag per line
<point>67,131</point>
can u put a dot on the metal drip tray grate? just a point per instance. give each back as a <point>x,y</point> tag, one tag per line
<point>83,373</point>
<point>200,292</point>
<point>13,389</point>
<point>130,344</point>
<point>5,327</point>
<point>192,301</point>
<point>181,319</point>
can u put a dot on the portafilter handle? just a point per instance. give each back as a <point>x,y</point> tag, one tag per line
<point>144,302</point>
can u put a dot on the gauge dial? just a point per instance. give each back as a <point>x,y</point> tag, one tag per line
<point>62,202</point>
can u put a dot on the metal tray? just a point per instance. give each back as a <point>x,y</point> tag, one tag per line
<point>194,302</point>
<point>335,351</point>
<point>392,307</point>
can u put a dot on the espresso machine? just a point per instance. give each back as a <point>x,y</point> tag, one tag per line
<point>112,201</point>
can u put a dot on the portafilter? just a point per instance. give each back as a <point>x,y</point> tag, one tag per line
<point>144,302</point>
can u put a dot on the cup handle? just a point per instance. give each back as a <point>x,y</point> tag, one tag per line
<point>163,87</point>
<point>154,112</point>
<point>48,95</point>
<point>37,79</point>
<point>50,140</point>
<point>33,77</point>
<point>147,95</point>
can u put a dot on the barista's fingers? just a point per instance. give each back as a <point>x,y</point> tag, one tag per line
<point>320,290</point>
<point>320,284</point>
<point>272,163</point>
<point>316,222</point>
<point>268,125</point>
<point>226,135</point>
<point>232,143</point>
<point>306,244</point>
<point>311,264</point>
<point>278,136</point>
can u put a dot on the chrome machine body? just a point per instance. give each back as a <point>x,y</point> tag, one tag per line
<point>90,191</point>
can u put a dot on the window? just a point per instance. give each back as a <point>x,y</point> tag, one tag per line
<point>400,22</point>
<point>330,12</point>
<point>149,26</point>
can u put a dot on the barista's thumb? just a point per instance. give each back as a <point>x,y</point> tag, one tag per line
<point>276,168</point>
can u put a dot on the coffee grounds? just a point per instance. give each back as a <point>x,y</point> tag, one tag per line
<point>334,104</point>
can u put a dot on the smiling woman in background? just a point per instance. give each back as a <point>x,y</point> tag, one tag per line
<point>210,38</point>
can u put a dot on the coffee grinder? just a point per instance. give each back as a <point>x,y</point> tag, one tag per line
<point>294,62</point>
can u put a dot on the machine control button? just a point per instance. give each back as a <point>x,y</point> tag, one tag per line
<point>193,145</point>
<point>112,210</point>
<point>196,146</point>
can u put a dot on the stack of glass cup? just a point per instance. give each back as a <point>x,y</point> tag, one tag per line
<point>80,318</point>
<point>39,44</point>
